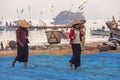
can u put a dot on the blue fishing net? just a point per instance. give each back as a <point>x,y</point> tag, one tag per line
<point>99,66</point>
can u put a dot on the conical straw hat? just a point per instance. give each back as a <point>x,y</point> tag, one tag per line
<point>77,22</point>
<point>23,23</point>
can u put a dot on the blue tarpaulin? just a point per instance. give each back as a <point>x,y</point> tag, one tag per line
<point>99,66</point>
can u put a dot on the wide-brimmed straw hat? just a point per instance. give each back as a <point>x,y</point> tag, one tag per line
<point>74,22</point>
<point>23,23</point>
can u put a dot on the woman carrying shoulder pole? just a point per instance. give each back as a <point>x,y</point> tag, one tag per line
<point>22,43</point>
<point>75,40</point>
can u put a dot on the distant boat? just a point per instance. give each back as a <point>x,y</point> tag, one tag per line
<point>1,28</point>
<point>99,32</point>
<point>9,28</point>
<point>94,22</point>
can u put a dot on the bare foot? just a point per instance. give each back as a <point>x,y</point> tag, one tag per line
<point>70,64</point>
<point>75,68</point>
<point>25,64</point>
<point>13,63</point>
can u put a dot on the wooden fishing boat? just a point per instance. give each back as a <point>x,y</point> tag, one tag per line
<point>113,27</point>
<point>1,28</point>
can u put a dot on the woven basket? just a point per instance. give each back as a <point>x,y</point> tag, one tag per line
<point>53,37</point>
<point>103,48</point>
<point>12,44</point>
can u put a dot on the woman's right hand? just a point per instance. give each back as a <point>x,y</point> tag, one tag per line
<point>73,37</point>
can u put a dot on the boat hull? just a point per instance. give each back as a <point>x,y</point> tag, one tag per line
<point>115,32</point>
<point>100,32</point>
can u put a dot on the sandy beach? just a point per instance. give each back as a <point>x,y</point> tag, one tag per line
<point>58,50</point>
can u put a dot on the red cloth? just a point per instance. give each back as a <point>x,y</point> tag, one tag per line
<point>21,35</point>
<point>71,35</point>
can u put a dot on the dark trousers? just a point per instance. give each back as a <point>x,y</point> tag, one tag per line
<point>22,53</point>
<point>75,59</point>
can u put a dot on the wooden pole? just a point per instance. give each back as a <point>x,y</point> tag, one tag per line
<point>46,26</point>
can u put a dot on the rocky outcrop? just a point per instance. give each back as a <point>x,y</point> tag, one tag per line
<point>65,17</point>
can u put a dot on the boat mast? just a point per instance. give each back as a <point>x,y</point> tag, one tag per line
<point>29,10</point>
<point>53,13</point>
<point>22,15</point>
<point>71,8</point>
<point>18,13</point>
<point>41,14</point>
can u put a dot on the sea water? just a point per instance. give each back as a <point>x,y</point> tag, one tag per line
<point>99,66</point>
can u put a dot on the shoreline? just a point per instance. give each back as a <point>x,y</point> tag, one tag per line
<point>58,50</point>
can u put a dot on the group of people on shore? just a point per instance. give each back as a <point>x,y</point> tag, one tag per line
<point>75,35</point>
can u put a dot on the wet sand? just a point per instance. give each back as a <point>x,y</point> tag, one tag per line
<point>58,50</point>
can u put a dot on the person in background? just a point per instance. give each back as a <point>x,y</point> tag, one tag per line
<point>113,42</point>
<point>2,48</point>
<point>103,28</point>
<point>75,40</point>
<point>113,45</point>
<point>22,43</point>
<point>110,37</point>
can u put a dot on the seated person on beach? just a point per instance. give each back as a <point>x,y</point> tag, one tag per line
<point>113,45</point>
<point>110,37</point>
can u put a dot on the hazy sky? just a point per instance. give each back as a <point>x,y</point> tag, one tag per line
<point>93,9</point>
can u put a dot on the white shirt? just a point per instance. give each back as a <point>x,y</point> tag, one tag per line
<point>76,39</point>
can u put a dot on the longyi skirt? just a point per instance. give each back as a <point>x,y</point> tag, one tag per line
<point>22,53</point>
<point>75,59</point>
